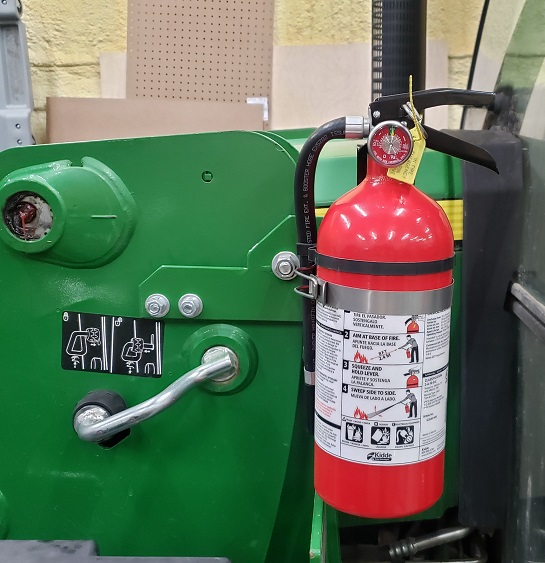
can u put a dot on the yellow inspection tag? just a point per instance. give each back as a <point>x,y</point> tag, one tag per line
<point>406,172</point>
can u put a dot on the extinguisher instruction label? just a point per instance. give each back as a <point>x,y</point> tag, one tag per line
<point>381,385</point>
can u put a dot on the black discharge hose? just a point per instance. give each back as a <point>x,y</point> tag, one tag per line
<point>305,217</point>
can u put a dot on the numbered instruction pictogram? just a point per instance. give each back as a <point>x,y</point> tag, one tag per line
<point>108,344</point>
<point>381,385</point>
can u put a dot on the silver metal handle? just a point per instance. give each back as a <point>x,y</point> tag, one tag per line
<point>93,423</point>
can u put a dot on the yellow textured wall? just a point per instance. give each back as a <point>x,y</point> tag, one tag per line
<point>66,38</point>
<point>307,22</point>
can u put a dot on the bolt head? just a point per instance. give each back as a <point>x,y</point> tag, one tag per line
<point>190,305</point>
<point>376,114</point>
<point>157,305</point>
<point>154,308</point>
<point>285,267</point>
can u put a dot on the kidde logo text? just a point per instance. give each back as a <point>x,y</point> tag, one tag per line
<point>379,456</point>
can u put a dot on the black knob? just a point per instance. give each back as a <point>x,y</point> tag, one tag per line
<point>110,401</point>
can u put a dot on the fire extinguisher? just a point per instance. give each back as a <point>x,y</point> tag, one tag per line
<point>384,252</point>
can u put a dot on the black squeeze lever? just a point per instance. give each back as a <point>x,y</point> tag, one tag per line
<point>447,144</point>
<point>391,108</point>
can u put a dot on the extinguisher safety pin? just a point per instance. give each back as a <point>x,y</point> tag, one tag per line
<point>415,116</point>
<point>317,288</point>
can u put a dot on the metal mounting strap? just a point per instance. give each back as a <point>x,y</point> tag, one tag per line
<point>389,302</point>
<point>317,288</point>
<point>381,268</point>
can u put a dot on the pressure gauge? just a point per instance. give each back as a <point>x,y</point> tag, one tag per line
<point>390,144</point>
<point>28,216</point>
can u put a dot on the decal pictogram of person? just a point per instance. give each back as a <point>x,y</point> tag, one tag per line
<point>411,346</point>
<point>412,403</point>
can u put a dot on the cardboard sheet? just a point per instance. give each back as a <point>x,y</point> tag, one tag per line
<point>113,75</point>
<point>315,83</point>
<point>85,119</point>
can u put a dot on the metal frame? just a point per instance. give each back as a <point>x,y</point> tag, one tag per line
<point>16,102</point>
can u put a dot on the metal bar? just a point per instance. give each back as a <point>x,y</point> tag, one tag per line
<point>410,546</point>
<point>16,100</point>
<point>224,363</point>
<point>529,310</point>
<point>529,301</point>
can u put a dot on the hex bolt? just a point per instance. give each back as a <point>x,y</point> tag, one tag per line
<point>157,305</point>
<point>376,114</point>
<point>285,265</point>
<point>190,305</point>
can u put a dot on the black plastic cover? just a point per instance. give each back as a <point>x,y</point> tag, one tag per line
<point>492,222</point>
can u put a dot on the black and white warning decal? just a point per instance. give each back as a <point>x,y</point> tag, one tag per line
<point>108,344</point>
<point>381,385</point>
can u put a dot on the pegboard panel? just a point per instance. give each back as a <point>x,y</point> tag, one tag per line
<point>213,50</point>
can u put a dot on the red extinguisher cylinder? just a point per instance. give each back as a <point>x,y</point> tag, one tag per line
<point>379,442</point>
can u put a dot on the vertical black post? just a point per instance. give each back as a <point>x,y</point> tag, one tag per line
<point>398,45</point>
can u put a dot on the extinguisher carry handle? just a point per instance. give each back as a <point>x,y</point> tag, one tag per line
<point>391,107</point>
<point>394,108</point>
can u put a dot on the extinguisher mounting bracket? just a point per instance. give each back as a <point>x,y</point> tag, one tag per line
<point>315,289</point>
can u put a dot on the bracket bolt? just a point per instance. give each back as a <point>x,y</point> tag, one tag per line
<point>376,114</point>
<point>190,305</point>
<point>284,265</point>
<point>157,305</point>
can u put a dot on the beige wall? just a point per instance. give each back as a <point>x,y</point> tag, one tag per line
<point>66,38</point>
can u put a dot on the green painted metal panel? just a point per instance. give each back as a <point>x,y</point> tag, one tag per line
<point>209,475</point>
<point>225,474</point>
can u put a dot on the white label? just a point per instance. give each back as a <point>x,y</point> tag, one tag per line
<point>381,385</point>
<point>264,101</point>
